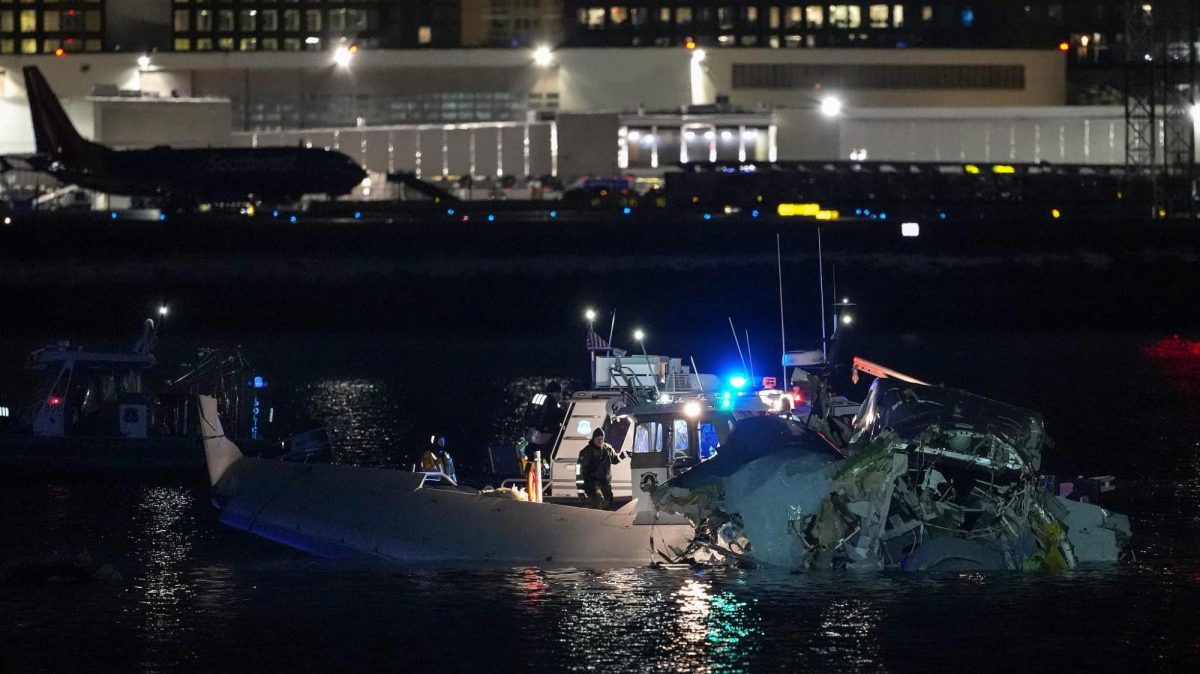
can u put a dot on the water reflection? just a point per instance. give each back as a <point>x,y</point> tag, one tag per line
<point>366,415</point>
<point>164,536</point>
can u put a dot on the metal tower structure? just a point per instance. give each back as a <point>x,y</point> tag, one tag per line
<point>1160,92</point>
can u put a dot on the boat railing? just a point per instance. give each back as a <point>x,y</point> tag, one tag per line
<point>435,477</point>
<point>629,382</point>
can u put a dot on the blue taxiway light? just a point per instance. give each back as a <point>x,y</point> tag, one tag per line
<point>941,216</point>
<point>491,218</point>
<point>627,210</point>
<point>554,214</point>
<point>708,216</point>
<point>449,211</point>
<point>358,215</point>
<point>754,213</point>
<point>275,213</point>
<point>113,215</point>
<point>162,217</point>
<point>292,219</point>
<point>883,216</point>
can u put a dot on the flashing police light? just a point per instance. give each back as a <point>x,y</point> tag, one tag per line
<point>259,382</point>
<point>737,381</point>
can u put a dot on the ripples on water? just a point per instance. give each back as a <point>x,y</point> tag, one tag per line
<point>200,597</point>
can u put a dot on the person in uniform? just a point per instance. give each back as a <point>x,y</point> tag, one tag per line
<point>596,460</point>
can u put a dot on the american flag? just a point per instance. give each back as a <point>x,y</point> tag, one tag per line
<point>595,342</point>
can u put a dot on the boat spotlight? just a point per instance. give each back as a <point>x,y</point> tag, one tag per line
<point>143,61</point>
<point>639,335</point>
<point>543,57</point>
<point>692,409</point>
<point>343,56</point>
<point>737,381</point>
<point>847,319</point>
<point>162,311</point>
<point>590,315</point>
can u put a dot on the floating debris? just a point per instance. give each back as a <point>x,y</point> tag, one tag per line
<point>929,479</point>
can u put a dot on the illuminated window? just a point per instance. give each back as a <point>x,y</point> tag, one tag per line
<point>225,20</point>
<point>270,44</point>
<point>291,20</point>
<point>91,45</point>
<point>337,19</point>
<point>814,16</point>
<point>793,16</point>
<point>725,18</point>
<point>291,44</point>
<point>204,44</point>
<point>8,46</point>
<point>750,14</point>
<point>204,20</point>
<point>594,17</point>
<point>845,16</point>
<point>7,23</point>
<point>683,16</point>
<point>48,46</point>
<point>248,19</point>
<point>50,22</point>
<point>28,46</point>
<point>183,44</point>
<point>312,19</point>
<point>897,16</point>
<point>878,15</point>
<point>639,16</point>
<point>424,35</point>
<point>225,44</point>
<point>618,15</point>
<point>28,25</point>
<point>183,20</point>
<point>927,13</point>
<point>679,437</point>
<point>248,44</point>
<point>664,15</point>
<point>773,18</point>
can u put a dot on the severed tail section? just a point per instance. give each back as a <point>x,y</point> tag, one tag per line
<point>219,451</point>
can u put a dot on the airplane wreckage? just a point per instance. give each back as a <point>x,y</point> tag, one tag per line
<point>920,478</point>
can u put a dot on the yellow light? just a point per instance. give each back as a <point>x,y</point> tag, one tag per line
<point>1162,213</point>
<point>1003,168</point>
<point>1055,213</point>
<point>690,44</point>
<point>805,210</point>
<point>1063,46</point>
<point>250,210</point>
<point>971,168</point>
<point>827,215</point>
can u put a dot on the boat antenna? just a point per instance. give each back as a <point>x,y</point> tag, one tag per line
<point>833,279</point>
<point>782,332</point>
<point>821,278</point>
<point>737,343</point>
<point>699,384</point>
<point>611,327</point>
<point>750,355</point>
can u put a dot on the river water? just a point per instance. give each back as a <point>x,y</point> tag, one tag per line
<point>195,596</point>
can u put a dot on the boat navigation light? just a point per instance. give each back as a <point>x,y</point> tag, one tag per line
<point>692,409</point>
<point>847,319</point>
<point>590,314</point>
<point>639,335</point>
<point>55,401</point>
<point>162,311</point>
<point>665,399</point>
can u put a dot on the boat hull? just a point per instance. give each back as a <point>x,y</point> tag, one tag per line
<point>339,511</point>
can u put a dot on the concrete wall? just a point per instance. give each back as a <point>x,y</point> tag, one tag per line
<point>587,144</point>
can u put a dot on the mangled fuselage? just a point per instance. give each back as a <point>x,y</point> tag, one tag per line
<point>931,478</point>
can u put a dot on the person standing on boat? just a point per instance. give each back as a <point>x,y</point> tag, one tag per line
<point>596,460</point>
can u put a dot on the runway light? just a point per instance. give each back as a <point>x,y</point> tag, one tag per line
<point>972,169</point>
<point>542,56</point>
<point>805,210</point>
<point>7,220</point>
<point>1064,46</point>
<point>910,229</point>
<point>1003,169</point>
<point>1055,213</point>
<point>690,44</point>
<point>692,409</point>
<point>831,106</point>
<point>143,61</point>
<point>59,52</point>
<point>343,56</point>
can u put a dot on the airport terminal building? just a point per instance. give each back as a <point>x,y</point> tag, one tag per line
<point>488,88</point>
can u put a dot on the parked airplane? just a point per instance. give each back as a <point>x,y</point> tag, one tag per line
<point>214,175</point>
